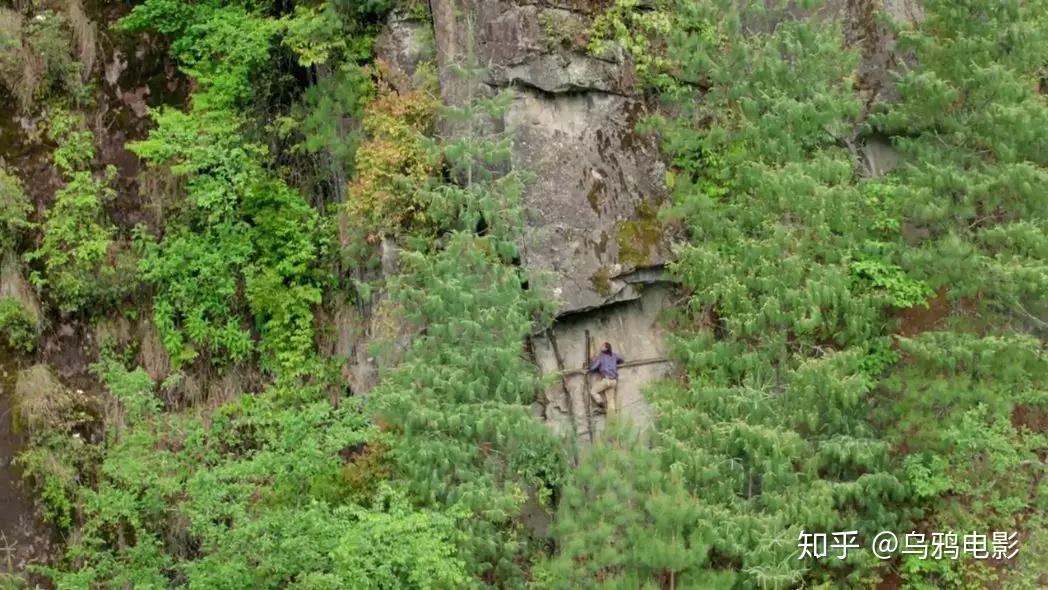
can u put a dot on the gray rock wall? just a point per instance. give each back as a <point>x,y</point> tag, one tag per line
<point>591,207</point>
<point>590,210</point>
<point>597,182</point>
<point>635,332</point>
<point>593,240</point>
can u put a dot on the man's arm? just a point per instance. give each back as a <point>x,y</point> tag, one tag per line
<point>618,359</point>
<point>594,365</point>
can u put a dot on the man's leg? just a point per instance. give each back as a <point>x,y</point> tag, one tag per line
<point>597,391</point>
<point>611,394</point>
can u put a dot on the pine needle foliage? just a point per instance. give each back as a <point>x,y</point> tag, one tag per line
<point>855,353</point>
<point>805,407</point>
<point>967,400</point>
<point>458,406</point>
<point>625,521</point>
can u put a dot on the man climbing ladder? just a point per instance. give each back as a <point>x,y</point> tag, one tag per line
<point>606,393</point>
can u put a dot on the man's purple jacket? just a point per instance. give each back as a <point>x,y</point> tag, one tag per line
<point>607,364</point>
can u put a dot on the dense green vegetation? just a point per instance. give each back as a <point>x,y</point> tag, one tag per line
<point>81,266</point>
<point>857,352</point>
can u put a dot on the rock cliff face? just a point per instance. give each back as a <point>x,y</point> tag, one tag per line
<point>591,222</point>
<point>593,239</point>
<point>635,328</point>
<point>597,182</point>
<point>592,235</point>
<point>22,538</point>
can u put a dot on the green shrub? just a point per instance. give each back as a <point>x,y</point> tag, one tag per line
<point>17,325</point>
<point>52,416</point>
<point>82,264</point>
<point>14,209</point>
<point>37,57</point>
<point>899,290</point>
<point>400,548</point>
<point>133,389</point>
<point>54,480</point>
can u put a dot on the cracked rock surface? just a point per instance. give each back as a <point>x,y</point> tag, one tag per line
<point>596,181</point>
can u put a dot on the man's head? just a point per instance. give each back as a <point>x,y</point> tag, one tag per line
<point>606,347</point>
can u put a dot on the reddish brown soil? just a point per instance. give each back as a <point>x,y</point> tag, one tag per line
<point>914,320</point>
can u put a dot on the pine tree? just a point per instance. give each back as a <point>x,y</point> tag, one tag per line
<point>458,406</point>
<point>626,520</point>
<point>966,398</point>
<point>783,337</point>
<point>485,190</point>
<point>801,387</point>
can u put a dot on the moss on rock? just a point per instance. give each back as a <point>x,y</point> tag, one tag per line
<point>639,238</point>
